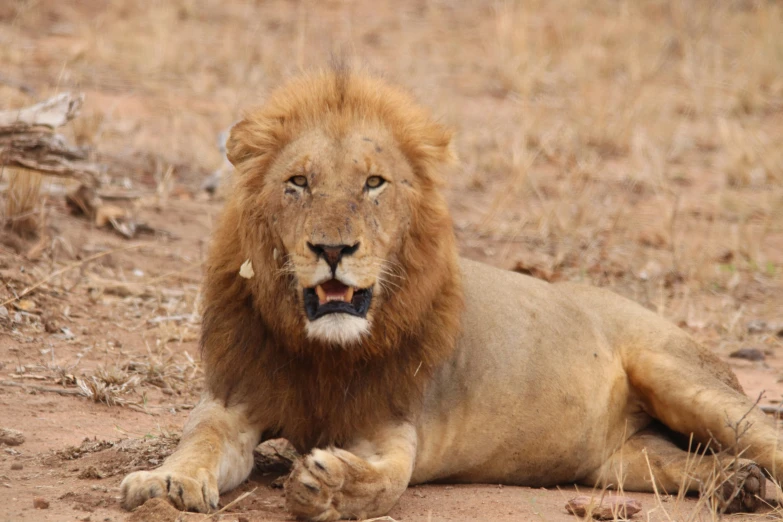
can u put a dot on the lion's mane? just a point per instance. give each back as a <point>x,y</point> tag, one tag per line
<point>253,341</point>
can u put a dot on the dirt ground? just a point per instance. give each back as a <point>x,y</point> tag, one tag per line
<point>632,145</point>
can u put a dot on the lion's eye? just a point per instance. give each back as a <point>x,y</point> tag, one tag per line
<point>373,182</point>
<point>299,181</point>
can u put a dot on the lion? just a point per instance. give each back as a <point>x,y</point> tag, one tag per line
<point>355,331</point>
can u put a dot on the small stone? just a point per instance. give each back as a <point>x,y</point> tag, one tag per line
<point>275,455</point>
<point>4,313</point>
<point>757,326</point>
<point>40,503</point>
<point>50,325</point>
<point>11,437</point>
<point>16,466</point>
<point>609,507</point>
<point>749,354</point>
<point>91,472</point>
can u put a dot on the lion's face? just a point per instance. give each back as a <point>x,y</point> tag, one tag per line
<point>339,206</point>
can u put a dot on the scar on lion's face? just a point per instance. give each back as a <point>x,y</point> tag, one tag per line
<point>342,204</point>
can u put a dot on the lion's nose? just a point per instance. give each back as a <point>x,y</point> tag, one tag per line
<point>332,254</point>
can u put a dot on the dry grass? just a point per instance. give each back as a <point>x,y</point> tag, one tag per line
<point>711,504</point>
<point>107,388</point>
<point>628,144</point>
<point>21,208</point>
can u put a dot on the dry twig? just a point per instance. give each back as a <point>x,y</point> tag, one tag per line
<point>68,267</point>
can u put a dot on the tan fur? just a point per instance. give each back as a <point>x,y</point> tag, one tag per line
<point>254,344</point>
<point>465,373</point>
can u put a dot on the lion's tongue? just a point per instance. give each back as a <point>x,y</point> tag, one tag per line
<point>333,290</point>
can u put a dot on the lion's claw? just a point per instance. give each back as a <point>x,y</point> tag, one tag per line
<point>186,493</point>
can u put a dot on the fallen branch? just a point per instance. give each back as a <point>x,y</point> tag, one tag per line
<point>27,140</point>
<point>42,389</point>
<point>772,410</point>
<point>54,112</point>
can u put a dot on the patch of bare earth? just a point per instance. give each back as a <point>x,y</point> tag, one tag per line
<point>632,145</point>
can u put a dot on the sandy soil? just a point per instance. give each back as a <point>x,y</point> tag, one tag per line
<point>648,169</point>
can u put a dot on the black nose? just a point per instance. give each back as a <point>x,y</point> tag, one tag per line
<point>332,254</point>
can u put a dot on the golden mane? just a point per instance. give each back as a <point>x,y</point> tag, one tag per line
<point>253,343</point>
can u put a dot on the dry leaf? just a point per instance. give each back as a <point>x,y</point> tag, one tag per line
<point>83,200</point>
<point>25,305</point>
<point>609,507</point>
<point>105,214</point>
<point>246,270</point>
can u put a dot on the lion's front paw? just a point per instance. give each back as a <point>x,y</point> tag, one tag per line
<point>744,490</point>
<point>313,489</point>
<point>186,492</point>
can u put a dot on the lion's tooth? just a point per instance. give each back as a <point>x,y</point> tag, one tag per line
<point>321,294</point>
<point>349,294</point>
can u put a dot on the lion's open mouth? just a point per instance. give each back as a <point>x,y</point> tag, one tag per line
<point>334,297</point>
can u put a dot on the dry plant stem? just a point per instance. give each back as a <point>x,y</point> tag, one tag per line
<point>67,268</point>
<point>22,196</point>
<point>174,273</point>
<point>42,389</point>
<point>234,502</point>
<point>655,487</point>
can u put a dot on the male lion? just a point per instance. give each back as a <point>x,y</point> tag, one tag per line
<point>364,340</point>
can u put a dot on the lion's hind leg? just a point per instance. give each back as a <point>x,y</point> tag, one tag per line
<point>650,462</point>
<point>692,392</point>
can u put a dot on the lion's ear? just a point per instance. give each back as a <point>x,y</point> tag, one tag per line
<point>433,145</point>
<point>238,147</point>
<point>258,136</point>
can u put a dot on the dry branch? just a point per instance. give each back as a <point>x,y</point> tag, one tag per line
<point>776,410</point>
<point>42,389</point>
<point>54,112</point>
<point>27,140</point>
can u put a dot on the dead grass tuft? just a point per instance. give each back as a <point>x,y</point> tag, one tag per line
<point>22,207</point>
<point>108,388</point>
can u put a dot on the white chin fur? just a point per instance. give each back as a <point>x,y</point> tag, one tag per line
<point>338,329</point>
